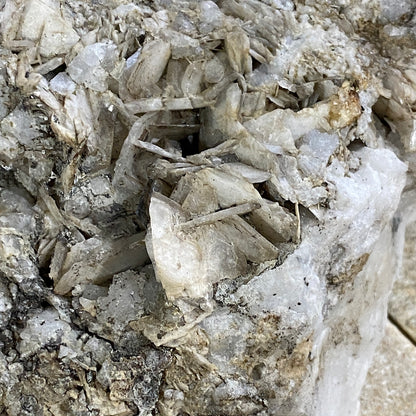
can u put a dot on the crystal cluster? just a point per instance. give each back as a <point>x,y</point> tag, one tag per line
<point>197,202</point>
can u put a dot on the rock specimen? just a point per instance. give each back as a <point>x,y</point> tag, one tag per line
<point>197,203</point>
<point>387,390</point>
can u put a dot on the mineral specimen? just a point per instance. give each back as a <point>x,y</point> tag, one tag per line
<point>201,208</point>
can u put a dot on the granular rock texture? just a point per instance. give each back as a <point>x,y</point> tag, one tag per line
<point>200,202</point>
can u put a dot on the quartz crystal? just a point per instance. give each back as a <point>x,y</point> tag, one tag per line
<point>202,203</point>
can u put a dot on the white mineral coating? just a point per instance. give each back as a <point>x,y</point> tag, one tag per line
<point>43,22</point>
<point>368,320</point>
<point>46,328</point>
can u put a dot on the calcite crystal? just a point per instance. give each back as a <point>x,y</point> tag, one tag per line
<point>202,203</point>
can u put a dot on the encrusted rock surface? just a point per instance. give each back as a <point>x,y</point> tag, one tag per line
<point>201,203</point>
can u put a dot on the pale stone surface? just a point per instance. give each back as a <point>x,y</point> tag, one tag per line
<point>402,303</point>
<point>390,389</point>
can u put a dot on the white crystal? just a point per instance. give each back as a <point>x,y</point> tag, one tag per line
<point>81,263</point>
<point>62,84</point>
<point>45,328</point>
<point>314,152</point>
<point>211,16</point>
<point>18,126</point>
<point>42,19</point>
<point>93,64</point>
